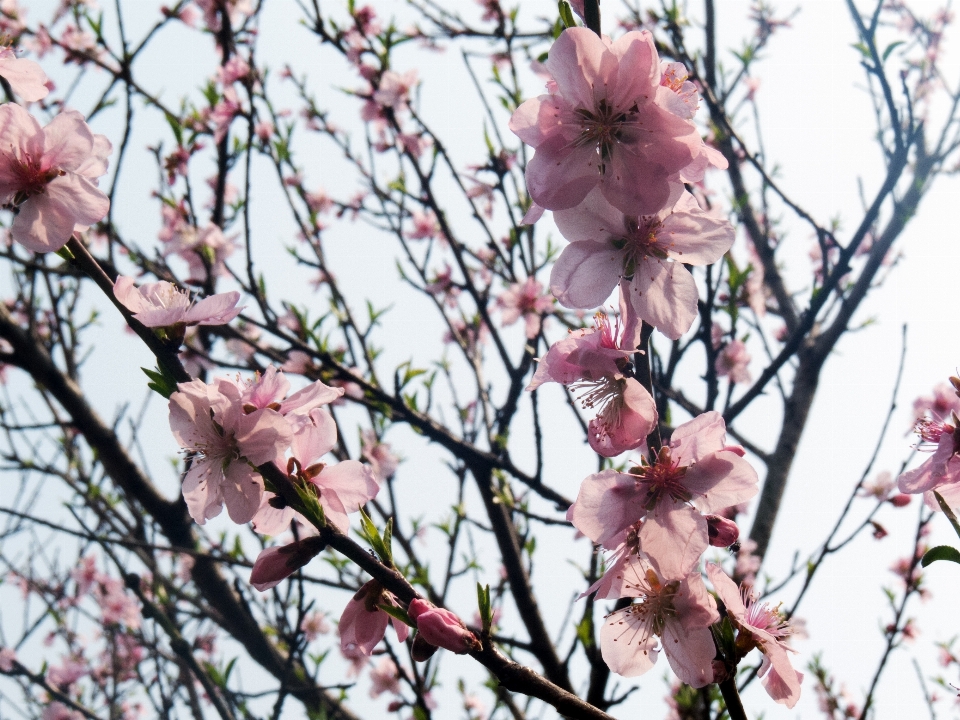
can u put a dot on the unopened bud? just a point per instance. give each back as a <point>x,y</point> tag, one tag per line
<point>899,500</point>
<point>721,531</point>
<point>955,381</point>
<point>441,627</point>
<point>879,531</point>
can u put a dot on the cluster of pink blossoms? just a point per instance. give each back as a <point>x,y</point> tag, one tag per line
<point>615,142</point>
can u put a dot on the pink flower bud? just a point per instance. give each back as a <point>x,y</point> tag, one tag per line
<point>721,531</point>
<point>442,628</point>
<point>899,500</point>
<point>276,563</point>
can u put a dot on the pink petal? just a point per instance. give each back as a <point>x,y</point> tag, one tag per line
<point>270,520</point>
<point>637,418</point>
<point>627,643</point>
<point>67,141</point>
<point>125,291</point>
<point>585,274</point>
<point>720,480</point>
<point>674,535</point>
<point>202,490</point>
<point>25,77</point>
<point>690,653</point>
<point>20,137</point>
<point>217,309</point>
<point>594,219</point>
<point>779,679</point>
<point>312,396</point>
<point>263,436</point>
<point>314,437</point>
<point>664,294</point>
<point>638,75</point>
<point>353,483</point>
<point>242,490</point>
<point>697,438</point>
<point>581,66</point>
<point>695,236</point>
<point>560,174</point>
<point>608,502</point>
<point>727,591</point>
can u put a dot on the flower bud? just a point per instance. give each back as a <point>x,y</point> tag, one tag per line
<point>421,651</point>
<point>899,500</point>
<point>721,531</point>
<point>442,628</point>
<point>274,564</point>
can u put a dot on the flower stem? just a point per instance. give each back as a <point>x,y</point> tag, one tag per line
<point>731,698</point>
<point>644,375</point>
<point>591,15</point>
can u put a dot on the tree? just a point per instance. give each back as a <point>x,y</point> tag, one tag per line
<point>331,467</point>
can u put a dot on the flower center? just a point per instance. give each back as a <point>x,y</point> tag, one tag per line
<point>603,127</point>
<point>662,479</point>
<point>654,604</point>
<point>605,394</point>
<point>32,179</point>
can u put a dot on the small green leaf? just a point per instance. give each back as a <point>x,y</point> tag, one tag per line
<point>398,613</point>
<point>372,535</point>
<point>890,48</point>
<point>483,604</point>
<point>940,552</point>
<point>566,14</point>
<point>161,382</point>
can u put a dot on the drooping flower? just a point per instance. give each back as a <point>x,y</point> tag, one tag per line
<point>646,253</point>
<point>696,468</point>
<point>765,628</point>
<point>27,79</point>
<point>363,624</point>
<point>595,361</point>
<point>603,124</point>
<point>48,176</point>
<point>383,461</point>
<point>673,611</point>
<point>162,304</point>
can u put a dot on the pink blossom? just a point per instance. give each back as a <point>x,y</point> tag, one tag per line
<point>674,607</point>
<point>162,304</point>
<point>235,69</point>
<point>8,657</point>
<point>58,711</point>
<point>604,124</point>
<point>645,254</point>
<point>314,625</point>
<point>425,225</point>
<point>696,468</point>
<point>25,77</point>
<point>595,361</point>
<point>767,629</point>
<point>280,562</point>
<point>49,174</point>
<point>940,472</point>
<point>442,628</point>
<point>384,678</point>
<point>526,300</point>
<point>880,487</point>
<point>67,672</point>
<point>944,401</point>
<point>382,460</point>
<point>734,361</point>
<point>116,606</point>
<point>211,421</point>
<point>205,250</point>
<point>363,624</point>
<point>394,89</point>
